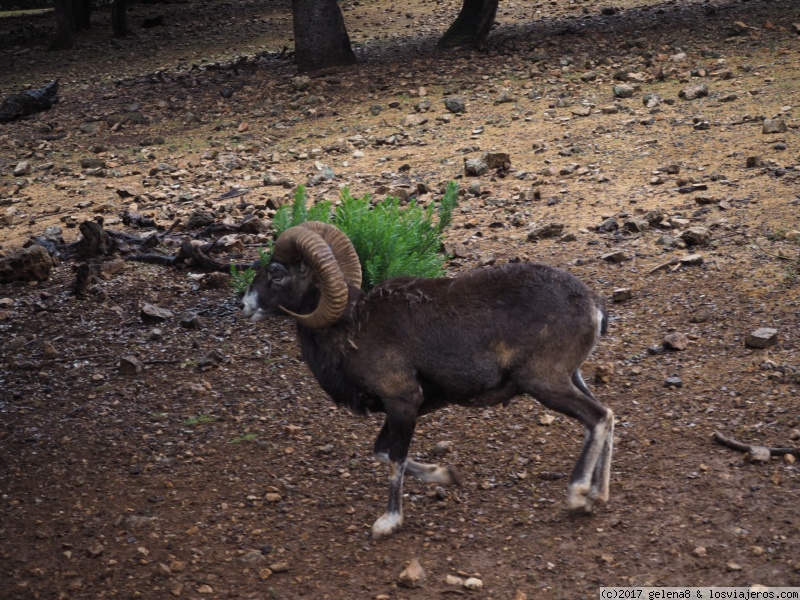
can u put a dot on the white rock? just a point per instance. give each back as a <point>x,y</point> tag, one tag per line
<point>473,583</point>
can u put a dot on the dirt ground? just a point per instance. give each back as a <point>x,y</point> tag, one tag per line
<point>222,471</point>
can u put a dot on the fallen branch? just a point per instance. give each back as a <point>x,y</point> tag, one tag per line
<point>753,450</point>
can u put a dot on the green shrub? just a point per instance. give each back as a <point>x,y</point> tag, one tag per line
<point>390,239</point>
<point>393,240</point>
<point>241,279</point>
<point>297,212</point>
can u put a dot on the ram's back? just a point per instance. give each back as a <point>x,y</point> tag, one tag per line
<point>469,334</point>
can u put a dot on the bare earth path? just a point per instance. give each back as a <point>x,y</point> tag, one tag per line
<point>222,471</point>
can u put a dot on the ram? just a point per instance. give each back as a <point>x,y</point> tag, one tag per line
<point>410,346</point>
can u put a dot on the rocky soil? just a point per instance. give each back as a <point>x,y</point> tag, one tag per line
<point>652,150</point>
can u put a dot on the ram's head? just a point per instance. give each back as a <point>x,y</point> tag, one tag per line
<point>306,278</point>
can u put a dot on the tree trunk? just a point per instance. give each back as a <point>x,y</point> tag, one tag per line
<point>64,38</point>
<point>119,19</point>
<point>81,14</point>
<point>472,26</point>
<point>320,36</point>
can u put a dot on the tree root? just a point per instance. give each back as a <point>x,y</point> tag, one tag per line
<point>753,450</point>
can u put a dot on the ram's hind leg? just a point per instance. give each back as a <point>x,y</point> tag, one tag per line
<point>429,473</point>
<point>602,471</point>
<point>589,480</point>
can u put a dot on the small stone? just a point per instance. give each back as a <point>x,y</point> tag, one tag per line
<point>636,225</point>
<point>759,454</point>
<point>497,160</point>
<point>28,264</point>
<point>696,236</point>
<point>473,583</point>
<point>616,257</point>
<point>607,226</point>
<point>621,295</point>
<point>754,162</point>
<point>774,126</point>
<point>253,558</point>
<point>732,566</point>
<point>700,552</point>
<point>453,580</point>
<point>190,320</point>
<point>442,448</point>
<point>279,567</point>
<point>693,92</point>
<point>205,589</point>
<point>178,566</point>
<point>675,382</point>
<point>126,192</point>
<point>455,104</point>
<point>130,365</point>
<point>692,260</point>
<point>301,83</point>
<point>413,576</point>
<point>623,90</point>
<point>547,230</point>
<point>151,313</point>
<point>763,337</point>
<point>676,341</point>
<point>23,168</point>
<point>272,497</point>
<point>93,162</point>
<point>546,419</point>
<point>475,167</point>
<point>700,316</point>
<point>789,459</point>
<point>651,100</point>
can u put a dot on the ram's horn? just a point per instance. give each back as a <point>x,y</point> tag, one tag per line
<point>342,249</point>
<point>301,243</point>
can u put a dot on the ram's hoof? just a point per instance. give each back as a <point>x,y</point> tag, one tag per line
<point>388,524</point>
<point>580,500</point>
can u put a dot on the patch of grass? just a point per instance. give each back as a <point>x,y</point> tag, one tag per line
<point>247,437</point>
<point>203,419</point>
<point>158,416</point>
<point>19,13</point>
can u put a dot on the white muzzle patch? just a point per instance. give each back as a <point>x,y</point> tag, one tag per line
<point>250,308</point>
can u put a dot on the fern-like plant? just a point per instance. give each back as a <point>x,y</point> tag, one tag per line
<point>390,239</point>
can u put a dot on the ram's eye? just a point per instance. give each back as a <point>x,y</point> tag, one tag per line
<point>277,273</point>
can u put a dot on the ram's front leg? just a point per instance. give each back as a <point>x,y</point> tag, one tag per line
<point>394,441</point>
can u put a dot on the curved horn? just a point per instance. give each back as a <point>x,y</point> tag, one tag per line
<point>342,248</point>
<point>301,243</point>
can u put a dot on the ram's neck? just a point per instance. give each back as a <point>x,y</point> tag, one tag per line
<point>325,350</point>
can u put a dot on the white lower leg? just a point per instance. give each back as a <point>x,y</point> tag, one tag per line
<point>601,482</point>
<point>392,519</point>
<point>581,493</point>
